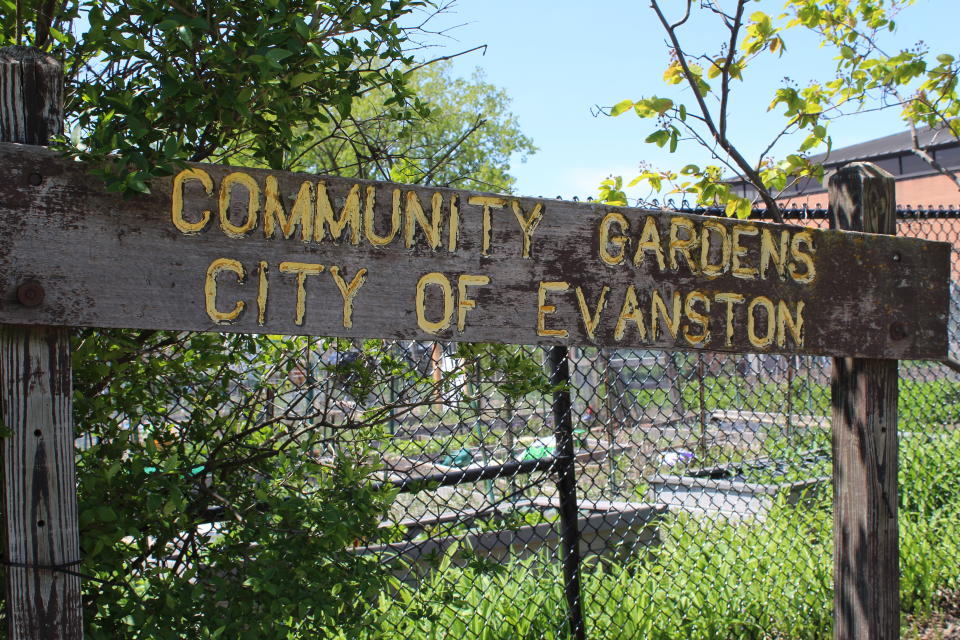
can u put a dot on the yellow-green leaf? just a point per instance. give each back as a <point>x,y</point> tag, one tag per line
<point>621,107</point>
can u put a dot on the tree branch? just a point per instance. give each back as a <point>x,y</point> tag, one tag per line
<point>748,171</point>
<point>453,147</point>
<point>924,155</point>
<point>725,72</point>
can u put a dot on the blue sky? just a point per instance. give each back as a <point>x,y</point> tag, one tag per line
<point>558,59</point>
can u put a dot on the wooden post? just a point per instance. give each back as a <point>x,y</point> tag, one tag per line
<point>866,553</point>
<point>41,539</point>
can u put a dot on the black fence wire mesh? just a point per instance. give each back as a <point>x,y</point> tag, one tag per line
<point>538,493</point>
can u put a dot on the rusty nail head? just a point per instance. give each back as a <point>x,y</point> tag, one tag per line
<point>30,293</point>
<point>35,179</point>
<point>898,331</point>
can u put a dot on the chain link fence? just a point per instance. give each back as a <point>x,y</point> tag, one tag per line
<point>535,493</point>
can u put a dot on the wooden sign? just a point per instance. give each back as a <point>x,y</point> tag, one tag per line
<point>217,248</point>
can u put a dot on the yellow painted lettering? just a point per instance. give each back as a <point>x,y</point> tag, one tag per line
<point>730,299</point>
<point>464,302</point>
<point>415,215</point>
<point>650,241</point>
<point>253,204</point>
<point>454,230</point>
<point>770,253</point>
<point>630,311</point>
<point>764,341</point>
<point>702,338</point>
<point>659,308</point>
<point>810,269</point>
<point>176,210</point>
<point>275,214</point>
<point>618,240</point>
<point>543,309</point>
<point>591,320</point>
<point>262,295</point>
<point>369,227</point>
<point>438,280</point>
<point>302,269</point>
<point>738,251</point>
<point>784,319</point>
<point>210,290</point>
<point>349,215</point>
<point>716,229</point>
<point>683,246</point>
<point>528,223</point>
<point>348,291</point>
<point>488,203</point>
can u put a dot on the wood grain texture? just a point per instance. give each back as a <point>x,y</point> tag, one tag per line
<point>39,482</point>
<point>110,261</point>
<point>864,391</point>
<point>31,96</point>
<point>40,527</point>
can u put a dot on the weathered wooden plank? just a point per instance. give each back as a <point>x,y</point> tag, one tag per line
<point>39,482</point>
<point>866,551</point>
<point>200,254</point>
<point>40,530</point>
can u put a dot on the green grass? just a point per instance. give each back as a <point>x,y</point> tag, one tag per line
<point>933,402</point>
<point>710,579</point>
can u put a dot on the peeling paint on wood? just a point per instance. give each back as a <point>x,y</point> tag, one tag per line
<point>220,248</point>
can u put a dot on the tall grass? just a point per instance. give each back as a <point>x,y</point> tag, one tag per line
<point>709,579</point>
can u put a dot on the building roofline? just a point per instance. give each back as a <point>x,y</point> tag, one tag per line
<point>893,145</point>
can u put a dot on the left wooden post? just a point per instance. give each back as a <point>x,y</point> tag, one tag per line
<point>41,539</point>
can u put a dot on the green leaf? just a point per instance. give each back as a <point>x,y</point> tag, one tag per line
<point>301,78</point>
<point>621,107</point>
<point>185,35</point>
<point>659,137</point>
<point>278,54</point>
<point>660,105</point>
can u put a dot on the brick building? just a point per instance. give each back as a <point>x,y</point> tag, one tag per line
<point>928,202</point>
<point>918,184</point>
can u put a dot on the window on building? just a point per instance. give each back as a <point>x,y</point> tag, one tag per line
<point>889,164</point>
<point>949,157</point>
<point>913,164</point>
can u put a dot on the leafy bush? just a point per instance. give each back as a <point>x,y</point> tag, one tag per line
<point>189,429</point>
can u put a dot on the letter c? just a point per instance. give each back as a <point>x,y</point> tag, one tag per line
<point>176,210</point>
<point>210,290</point>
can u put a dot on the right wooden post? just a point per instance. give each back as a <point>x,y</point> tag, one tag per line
<point>864,392</point>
